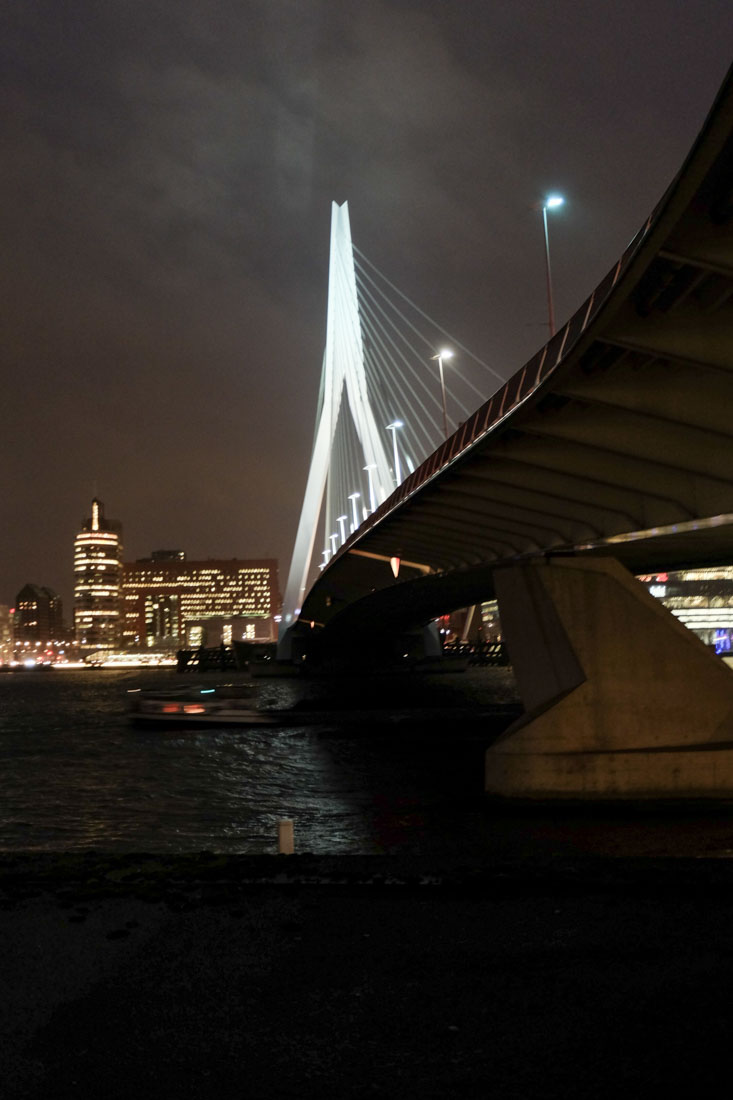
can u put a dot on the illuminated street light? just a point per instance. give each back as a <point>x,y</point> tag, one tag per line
<point>393,429</point>
<point>334,539</point>
<point>341,520</point>
<point>372,498</point>
<point>353,497</point>
<point>446,353</point>
<point>550,203</point>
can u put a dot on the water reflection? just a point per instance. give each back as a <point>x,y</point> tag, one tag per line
<point>77,775</point>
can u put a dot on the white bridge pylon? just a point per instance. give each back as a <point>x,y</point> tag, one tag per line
<point>343,368</point>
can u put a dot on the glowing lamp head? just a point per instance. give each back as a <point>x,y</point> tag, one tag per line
<point>446,353</point>
<point>553,201</point>
<point>395,424</point>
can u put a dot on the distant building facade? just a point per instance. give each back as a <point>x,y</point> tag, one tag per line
<point>97,581</point>
<point>702,599</point>
<point>6,634</point>
<point>38,617</point>
<point>169,602</point>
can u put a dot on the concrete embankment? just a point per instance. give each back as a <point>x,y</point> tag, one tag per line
<point>212,976</point>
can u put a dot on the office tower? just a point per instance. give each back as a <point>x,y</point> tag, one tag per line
<point>38,616</point>
<point>170,602</point>
<point>97,576</point>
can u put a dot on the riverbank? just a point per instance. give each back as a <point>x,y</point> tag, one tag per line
<point>224,976</point>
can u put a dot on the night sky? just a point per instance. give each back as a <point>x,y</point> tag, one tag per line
<point>168,170</point>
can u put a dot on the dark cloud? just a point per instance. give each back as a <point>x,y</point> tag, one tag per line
<point>168,171</point>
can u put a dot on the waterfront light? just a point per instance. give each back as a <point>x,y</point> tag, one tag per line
<point>341,520</point>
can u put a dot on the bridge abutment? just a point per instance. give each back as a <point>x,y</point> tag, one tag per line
<point>621,700</point>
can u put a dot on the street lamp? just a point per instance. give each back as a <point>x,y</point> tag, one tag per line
<point>353,497</point>
<point>550,203</point>
<point>372,498</point>
<point>393,429</point>
<point>333,538</point>
<point>446,353</point>
<point>341,520</point>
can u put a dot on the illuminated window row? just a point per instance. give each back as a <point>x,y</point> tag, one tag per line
<point>96,561</point>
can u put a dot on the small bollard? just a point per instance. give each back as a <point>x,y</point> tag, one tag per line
<point>285,843</point>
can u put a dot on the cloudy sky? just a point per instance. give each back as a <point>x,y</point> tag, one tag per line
<point>168,170</point>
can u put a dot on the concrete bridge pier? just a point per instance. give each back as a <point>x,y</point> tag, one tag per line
<point>621,700</point>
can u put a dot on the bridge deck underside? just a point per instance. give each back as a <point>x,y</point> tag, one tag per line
<point>623,447</point>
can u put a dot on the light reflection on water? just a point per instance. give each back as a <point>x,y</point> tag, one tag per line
<point>76,774</point>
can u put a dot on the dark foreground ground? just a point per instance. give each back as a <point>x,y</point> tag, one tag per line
<point>223,977</point>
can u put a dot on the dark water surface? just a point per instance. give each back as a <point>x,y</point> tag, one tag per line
<point>76,774</point>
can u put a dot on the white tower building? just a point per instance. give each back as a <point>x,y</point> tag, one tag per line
<point>97,580</point>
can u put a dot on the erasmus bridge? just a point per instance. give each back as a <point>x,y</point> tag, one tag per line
<point>607,454</point>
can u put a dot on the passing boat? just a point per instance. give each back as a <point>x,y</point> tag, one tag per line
<point>224,705</point>
<point>234,705</point>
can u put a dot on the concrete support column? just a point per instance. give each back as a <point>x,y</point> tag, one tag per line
<point>621,700</point>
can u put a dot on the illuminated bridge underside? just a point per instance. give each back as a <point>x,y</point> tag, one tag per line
<point>615,438</point>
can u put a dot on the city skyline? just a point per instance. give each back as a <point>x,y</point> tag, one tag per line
<point>167,228</point>
<point>66,588</point>
<point>164,599</point>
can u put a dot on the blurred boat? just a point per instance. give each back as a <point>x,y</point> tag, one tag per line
<point>225,705</point>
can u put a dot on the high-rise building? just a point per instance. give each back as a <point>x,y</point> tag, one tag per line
<point>38,616</point>
<point>97,577</point>
<point>168,601</point>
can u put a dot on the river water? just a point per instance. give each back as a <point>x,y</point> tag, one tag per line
<point>77,775</point>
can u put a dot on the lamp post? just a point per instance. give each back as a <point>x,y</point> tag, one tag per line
<point>353,497</point>
<point>341,520</point>
<point>372,498</point>
<point>333,537</point>
<point>550,203</point>
<point>393,429</point>
<point>446,353</point>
